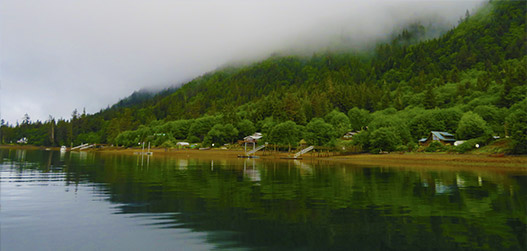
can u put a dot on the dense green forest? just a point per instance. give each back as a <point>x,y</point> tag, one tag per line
<point>471,82</point>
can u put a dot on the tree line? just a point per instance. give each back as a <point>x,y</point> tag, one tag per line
<point>472,75</point>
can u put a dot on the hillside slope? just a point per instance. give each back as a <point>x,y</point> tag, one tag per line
<point>477,67</point>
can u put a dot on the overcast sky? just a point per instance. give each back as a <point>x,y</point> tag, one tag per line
<point>61,55</point>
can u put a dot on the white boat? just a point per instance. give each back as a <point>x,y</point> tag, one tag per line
<point>63,149</point>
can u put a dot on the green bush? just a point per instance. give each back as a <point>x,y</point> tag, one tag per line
<point>517,127</point>
<point>362,140</point>
<point>286,133</point>
<point>469,145</point>
<point>194,139</point>
<point>435,146</point>
<point>473,126</point>
<point>347,146</point>
<point>339,121</point>
<point>401,148</point>
<point>411,146</point>
<point>358,118</point>
<point>221,134</point>
<point>319,133</point>
<point>168,144</point>
<point>385,139</point>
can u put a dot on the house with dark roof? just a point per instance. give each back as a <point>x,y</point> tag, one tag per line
<point>443,137</point>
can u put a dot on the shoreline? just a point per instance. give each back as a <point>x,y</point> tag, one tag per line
<point>439,161</point>
<point>396,160</point>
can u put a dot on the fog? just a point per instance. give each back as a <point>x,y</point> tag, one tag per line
<point>61,55</point>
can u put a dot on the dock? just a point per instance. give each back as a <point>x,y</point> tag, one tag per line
<point>250,154</point>
<point>298,154</point>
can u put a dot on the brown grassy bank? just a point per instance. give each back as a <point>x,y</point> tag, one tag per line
<point>437,161</point>
<point>398,160</point>
<point>29,147</point>
<point>195,153</point>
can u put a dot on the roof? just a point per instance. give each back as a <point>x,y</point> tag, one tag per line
<point>349,135</point>
<point>255,136</point>
<point>444,136</point>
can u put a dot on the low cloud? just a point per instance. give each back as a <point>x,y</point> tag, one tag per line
<point>60,55</point>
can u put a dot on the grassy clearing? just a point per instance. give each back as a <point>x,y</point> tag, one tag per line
<point>501,146</point>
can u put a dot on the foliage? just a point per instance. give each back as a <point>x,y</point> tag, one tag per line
<point>339,121</point>
<point>493,116</point>
<point>435,146</point>
<point>473,126</point>
<point>286,133</point>
<point>411,146</point>
<point>179,129</point>
<point>220,134</point>
<point>319,132</point>
<point>362,139</point>
<point>168,144</point>
<point>87,137</point>
<point>201,126</point>
<point>435,120</point>
<point>347,146</point>
<point>245,128</point>
<point>517,126</point>
<point>384,139</point>
<point>359,118</point>
<point>395,122</point>
<point>265,126</point>
<point>469,145</point>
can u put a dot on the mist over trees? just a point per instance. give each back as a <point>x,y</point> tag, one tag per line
<point>471,82</point>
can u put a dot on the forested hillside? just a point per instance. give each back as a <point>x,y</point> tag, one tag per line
<point>470,81</point>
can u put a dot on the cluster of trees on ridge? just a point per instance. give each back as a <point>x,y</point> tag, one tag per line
<point>470,81</point>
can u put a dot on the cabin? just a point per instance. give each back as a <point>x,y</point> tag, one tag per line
<point>349,135</point>
<point>443,137</point>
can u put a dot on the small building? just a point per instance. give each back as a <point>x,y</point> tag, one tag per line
<point>349,135</point>
<point>253,138</point>
<point>182,144</point>
<point>443,137</point>
<point>22,141</point>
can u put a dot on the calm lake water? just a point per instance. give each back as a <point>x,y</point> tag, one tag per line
<point>89,201</point>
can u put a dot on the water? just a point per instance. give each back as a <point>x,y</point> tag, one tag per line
<point>88,201</point>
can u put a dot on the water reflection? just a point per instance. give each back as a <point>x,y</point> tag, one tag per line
<point>250,203</point>
<point>252,173</point>
<point>20,155</point>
